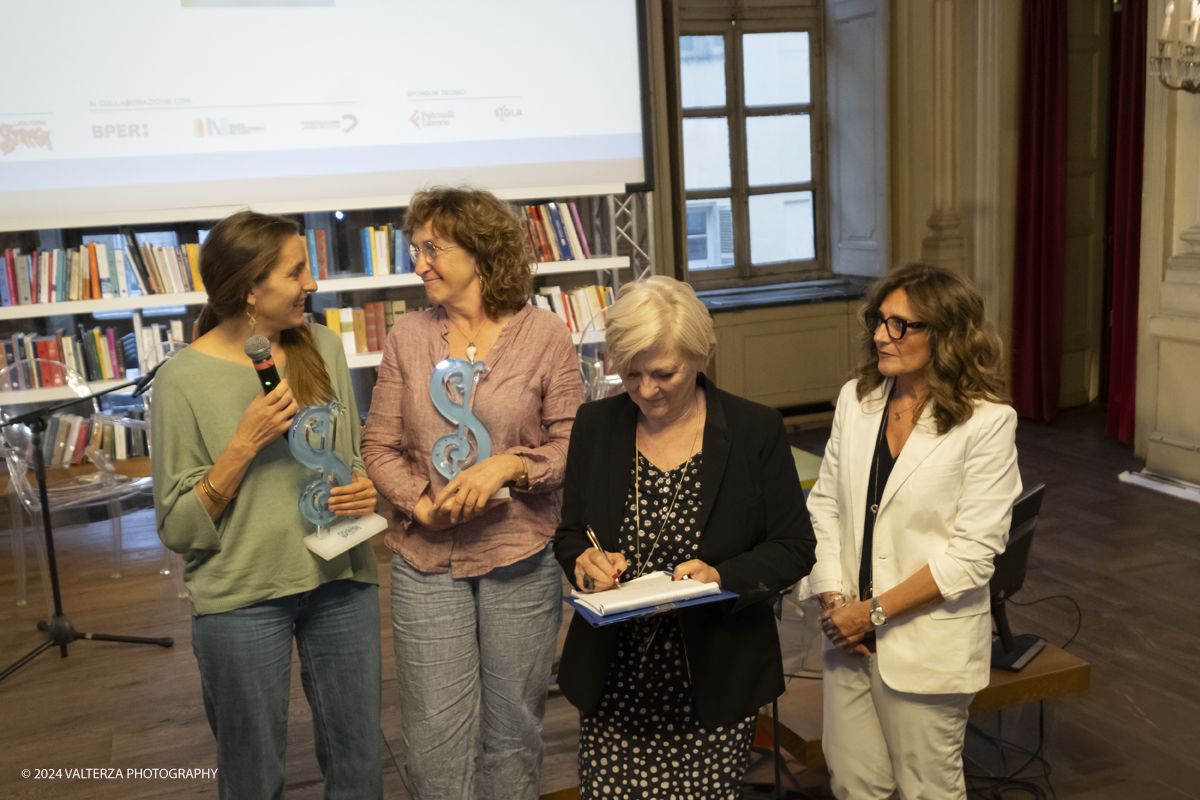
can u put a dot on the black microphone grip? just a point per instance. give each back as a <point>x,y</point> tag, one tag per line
<point>258,348</point>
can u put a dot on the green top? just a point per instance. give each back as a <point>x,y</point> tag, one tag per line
<point>255,550</point>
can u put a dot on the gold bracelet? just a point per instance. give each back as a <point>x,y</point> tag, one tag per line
<point>214,494</point>
<point>523,480</point>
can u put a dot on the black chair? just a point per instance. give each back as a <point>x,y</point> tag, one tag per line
<point>1012,653</point>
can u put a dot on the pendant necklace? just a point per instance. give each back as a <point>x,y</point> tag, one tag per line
<point>471,350</point>
<point>637,501</point>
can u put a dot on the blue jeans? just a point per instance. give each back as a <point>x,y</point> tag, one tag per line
<point>475,653</point>
<point>245,659</point>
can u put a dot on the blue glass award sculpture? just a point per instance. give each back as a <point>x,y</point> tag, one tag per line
<point>311,439</point>
<point>452,451</point>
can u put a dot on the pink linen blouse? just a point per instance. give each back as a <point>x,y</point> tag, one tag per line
<point>527,399</point>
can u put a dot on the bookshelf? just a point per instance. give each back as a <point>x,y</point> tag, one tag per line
<point>599,217</point>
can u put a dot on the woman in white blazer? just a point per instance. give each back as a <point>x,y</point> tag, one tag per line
<point>912,505</point>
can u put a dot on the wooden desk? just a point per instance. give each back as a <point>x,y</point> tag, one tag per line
<point>1053,673</point>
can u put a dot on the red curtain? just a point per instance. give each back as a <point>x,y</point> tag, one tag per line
<point>1041,211</point>
<point>1125,215</point>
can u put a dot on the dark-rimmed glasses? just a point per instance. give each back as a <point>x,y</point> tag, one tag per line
<point>896,326</point>
<point>429,250</point>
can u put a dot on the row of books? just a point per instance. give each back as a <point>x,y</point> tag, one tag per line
<point>363,330</point>
<point>385,250</point>
<point>94,271</point>
<point>555,232</point>
<point>68,437</point>
<point>97,355</point>
<point>90,352</point>
<point>577,307</point>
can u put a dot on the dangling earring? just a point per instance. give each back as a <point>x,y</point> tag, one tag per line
<point>250,313</point>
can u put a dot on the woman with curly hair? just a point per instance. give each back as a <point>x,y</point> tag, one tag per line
<point>912,504</point>
<point>476,593</point>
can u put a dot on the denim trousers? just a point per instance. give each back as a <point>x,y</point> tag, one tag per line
<point>473,659</point>
<point>245,659</point>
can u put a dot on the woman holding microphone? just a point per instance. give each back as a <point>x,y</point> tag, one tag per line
<point>226,488</point>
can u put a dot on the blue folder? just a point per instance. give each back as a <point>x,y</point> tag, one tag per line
<point>597,621</point>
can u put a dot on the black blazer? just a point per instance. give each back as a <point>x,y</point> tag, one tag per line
<point>755,531</point>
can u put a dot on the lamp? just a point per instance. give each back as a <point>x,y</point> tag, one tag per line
<point>1177,66</point>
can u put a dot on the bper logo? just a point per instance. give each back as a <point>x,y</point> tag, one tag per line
<point>130,131</point>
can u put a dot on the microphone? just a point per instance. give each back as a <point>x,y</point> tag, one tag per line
<point>259,350</point>
<point>258,347</point>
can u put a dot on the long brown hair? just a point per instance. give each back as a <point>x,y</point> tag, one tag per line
<point>965,352</point>
<point>487,228</point>
<point>239,253</point>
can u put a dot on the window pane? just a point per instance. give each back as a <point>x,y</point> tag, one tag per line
<point>781,227</point>
<point>710,233</point>
<point>706,153</point>
<point>778,149</point>
<point>776,68</point>
<point>702,71</point>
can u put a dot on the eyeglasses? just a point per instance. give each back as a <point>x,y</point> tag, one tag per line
<point>896,326</point>
<point>429,250</point>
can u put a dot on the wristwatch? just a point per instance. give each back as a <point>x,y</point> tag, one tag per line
<point>879,617</point>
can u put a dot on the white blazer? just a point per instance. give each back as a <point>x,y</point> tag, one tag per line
<point>947,504</point>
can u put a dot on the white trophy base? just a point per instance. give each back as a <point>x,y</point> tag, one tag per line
<point>501,494</point>
<point>340,537</point>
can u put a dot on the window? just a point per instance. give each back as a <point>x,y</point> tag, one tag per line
<point>753,123</point>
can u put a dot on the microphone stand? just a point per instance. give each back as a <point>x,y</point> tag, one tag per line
<point>60,630</point>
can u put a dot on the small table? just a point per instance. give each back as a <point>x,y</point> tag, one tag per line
<point>1053,673</point>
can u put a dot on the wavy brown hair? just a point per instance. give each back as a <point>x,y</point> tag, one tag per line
<point>239,253</point>
<point>965,352</point>
<point>487,228</point>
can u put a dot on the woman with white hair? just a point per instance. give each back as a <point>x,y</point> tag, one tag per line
<point>676,475</point>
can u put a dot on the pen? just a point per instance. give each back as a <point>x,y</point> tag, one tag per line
<point>596,544</point>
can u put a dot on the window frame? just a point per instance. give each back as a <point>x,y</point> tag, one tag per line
<point>743,273</point>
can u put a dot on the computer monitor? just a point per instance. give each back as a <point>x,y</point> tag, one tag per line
<point>1012,653</point>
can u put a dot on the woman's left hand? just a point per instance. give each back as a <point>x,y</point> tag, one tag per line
<point>846,625</point>
<point>466,497</point>
<point>697,570</point>
<point>354,500</point>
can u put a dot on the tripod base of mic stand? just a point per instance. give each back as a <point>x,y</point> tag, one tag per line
<point>62,633</point>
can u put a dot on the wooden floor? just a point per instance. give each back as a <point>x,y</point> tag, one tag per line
<point>1130,557</point>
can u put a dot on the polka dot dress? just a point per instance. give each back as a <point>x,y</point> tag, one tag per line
<point>644,740</point>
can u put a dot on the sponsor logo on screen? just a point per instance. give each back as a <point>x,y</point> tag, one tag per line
<point>24,134</point>
<point>431,119</point>
<point>504,112</point>
<point>129,130</point>
<point>208,126</point>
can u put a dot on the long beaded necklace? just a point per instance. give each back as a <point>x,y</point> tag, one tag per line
<point>637,499</point>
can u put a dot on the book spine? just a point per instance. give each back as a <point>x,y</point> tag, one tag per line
<point>587,253</point>
<point>24,290</point>
<point>310,238</point>
<point>359,321</point>
<point>560,233</point>
<point>4,296</point>
<point>364,238</point>
<point>193,252</point>
<point>375,330</point>
<point>322,255</point>
<point>347,329</point>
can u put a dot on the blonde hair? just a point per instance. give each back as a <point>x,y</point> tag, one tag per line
<point>657,312</point>
<point>965,352</point>
<point>487,228</point>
